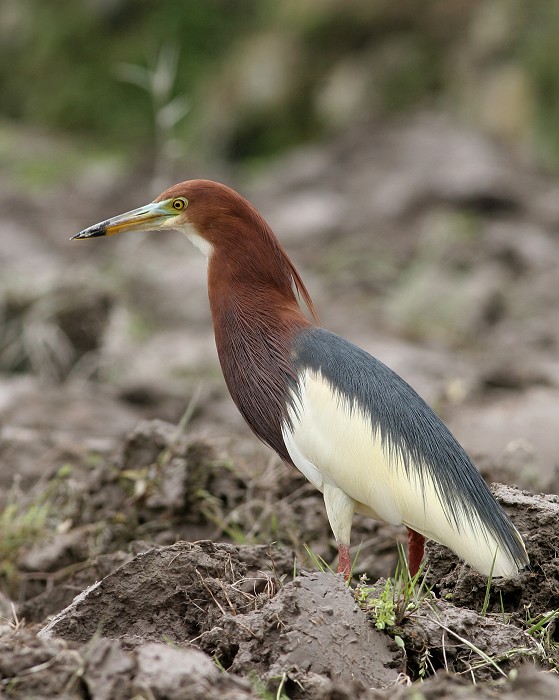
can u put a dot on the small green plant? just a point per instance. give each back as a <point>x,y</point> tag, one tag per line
<point>322,565</point>
<point>541,623</point>
<point>542,628</point>
<point>261,689</point>
<point>280,692</point>
<point>398,597</point>
<point>381,607</point>
<point>488,587</point>
<point>318,562</point>
<point>217,662</point>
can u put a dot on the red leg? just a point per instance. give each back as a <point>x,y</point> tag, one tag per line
<point>416,548</point>
<point>344,562</point>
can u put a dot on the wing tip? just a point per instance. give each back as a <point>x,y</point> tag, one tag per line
<point>504,555</point>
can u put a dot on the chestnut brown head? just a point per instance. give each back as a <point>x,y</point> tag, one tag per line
<point>218,221</point>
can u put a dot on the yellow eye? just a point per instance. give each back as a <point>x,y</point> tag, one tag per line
<point>179,203</point>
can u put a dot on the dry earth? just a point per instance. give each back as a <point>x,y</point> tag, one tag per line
<point>150,548</point>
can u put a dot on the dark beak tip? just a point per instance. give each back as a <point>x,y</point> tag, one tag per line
<point>93,232</point>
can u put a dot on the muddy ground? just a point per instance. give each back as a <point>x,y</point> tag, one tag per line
<point>151,548</point>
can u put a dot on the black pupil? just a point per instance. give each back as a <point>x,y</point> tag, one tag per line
<point>177,205</point>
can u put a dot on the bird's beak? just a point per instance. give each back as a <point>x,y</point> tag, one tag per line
<point>147,218</point>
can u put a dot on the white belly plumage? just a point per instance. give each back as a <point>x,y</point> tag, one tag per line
<point>336,447</point>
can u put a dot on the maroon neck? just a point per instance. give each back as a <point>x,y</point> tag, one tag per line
<point>254,326</point>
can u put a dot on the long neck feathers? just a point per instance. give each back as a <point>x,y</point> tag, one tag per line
<point>254,257</point>
<point>252,287</point>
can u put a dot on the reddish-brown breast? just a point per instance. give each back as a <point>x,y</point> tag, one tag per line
<point>255,325</point>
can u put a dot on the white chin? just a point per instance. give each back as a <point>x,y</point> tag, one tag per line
<point>197,240</point>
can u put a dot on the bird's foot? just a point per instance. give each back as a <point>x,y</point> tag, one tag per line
<point>416,549</point>
<point>344,562</point>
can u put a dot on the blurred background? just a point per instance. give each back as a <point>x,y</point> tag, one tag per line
<point>405,153</point>
<point>242,81</point>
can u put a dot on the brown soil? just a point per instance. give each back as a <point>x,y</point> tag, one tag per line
<point>249,607</point>
<point>145,556</point>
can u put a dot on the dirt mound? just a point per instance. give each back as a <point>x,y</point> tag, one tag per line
<point>309,632</point>
<point>312,632</point>
<point>175,592</point>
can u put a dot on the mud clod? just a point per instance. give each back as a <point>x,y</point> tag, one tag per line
<point>312,629</point>
<point>179,673</point>
<point>34,667</point>
<point>440,635</point>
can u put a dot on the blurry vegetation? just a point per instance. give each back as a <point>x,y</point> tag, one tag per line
<point>168,110</point>
<point>49,332</point>
<point>67,53</point>
<point>251,77</point>
<point>538,52</point>
<point>459,302</point>
<point>21,525</point>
